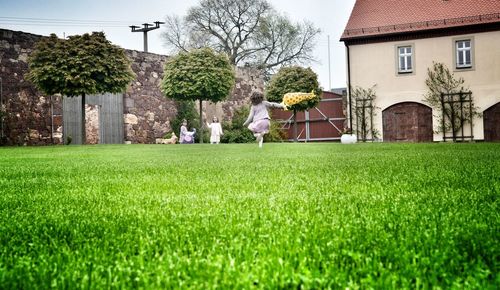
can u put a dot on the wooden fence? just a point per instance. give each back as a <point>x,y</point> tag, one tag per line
<point>323,123</point>
<point>110,108</point>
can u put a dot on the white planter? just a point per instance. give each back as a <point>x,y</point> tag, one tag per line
<point>348,139</point>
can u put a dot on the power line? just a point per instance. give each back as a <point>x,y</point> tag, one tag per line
<point>61,25</point>
<point>55,20</point>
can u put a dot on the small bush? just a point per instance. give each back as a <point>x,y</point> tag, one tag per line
<point>235,132</point>
<point>276,134</point>
<point>186,110</point>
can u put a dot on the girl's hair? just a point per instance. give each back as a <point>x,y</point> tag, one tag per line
<point>216,119</point>
<point>256,98</point>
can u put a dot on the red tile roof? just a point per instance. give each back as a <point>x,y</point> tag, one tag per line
<point>380,17</point>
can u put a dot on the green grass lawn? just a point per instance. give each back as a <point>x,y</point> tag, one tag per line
<point>233,216</point>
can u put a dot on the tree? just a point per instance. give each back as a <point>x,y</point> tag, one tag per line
<point>250,32</point>
<point>198,75</point>
<point>452,115</point>
<point>290,80</point>
<point>79,66</point>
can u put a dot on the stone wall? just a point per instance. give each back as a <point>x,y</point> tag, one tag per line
<point>147,113</point>
<point>29,117</point>
<point>32,118</point>
<point>248,80</point>
<point>92,124</point>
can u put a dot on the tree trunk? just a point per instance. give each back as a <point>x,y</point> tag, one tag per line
<point>295,137</point>
<point>201,122</point>
<point>84,138</point>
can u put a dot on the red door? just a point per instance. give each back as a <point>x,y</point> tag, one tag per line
<point>408,121</point>
<point>491,119</point>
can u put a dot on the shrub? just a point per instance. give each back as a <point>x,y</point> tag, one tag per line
<point>235,132</point>
<point>276,134</point>
<point>186,110</point>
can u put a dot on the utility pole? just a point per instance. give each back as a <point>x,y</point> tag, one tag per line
<point>329,70</point>
<point>146,27</point>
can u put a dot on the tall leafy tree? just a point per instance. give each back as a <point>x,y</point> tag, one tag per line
<point>79,66</point>
<point>201,74</point>
<point>250,32</point>
<point>291,80</point>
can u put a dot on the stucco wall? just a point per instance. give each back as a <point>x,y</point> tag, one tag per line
<point>376,64</point>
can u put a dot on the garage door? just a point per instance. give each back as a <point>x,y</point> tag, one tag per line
<point>407,122</point>
<point>491,119</point>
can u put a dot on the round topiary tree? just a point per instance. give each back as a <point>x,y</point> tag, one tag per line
<point>290,80</point>
<point>79,66</point>
<point>198,75</point>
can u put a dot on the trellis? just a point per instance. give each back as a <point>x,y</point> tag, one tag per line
<point>455,106</point>
<point>364,119</point>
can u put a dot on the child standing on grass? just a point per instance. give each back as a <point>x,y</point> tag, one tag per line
<point>258,119</point>
<point>215,131</point>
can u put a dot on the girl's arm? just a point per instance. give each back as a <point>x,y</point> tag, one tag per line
<point>273,105</point>
<point>208,125</point>
<point>250,117</point>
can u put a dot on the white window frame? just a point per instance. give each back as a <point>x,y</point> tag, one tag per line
<point>403,68</point>
<point>462,51</point>
<point>468,67</point>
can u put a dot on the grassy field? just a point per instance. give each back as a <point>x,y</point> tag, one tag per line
<point>232,216</point>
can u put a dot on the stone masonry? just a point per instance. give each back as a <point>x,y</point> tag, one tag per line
<point>27,114</point>
<point>147,113</point>
<point>32,118</point>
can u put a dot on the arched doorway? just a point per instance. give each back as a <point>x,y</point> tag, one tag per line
<point>491,119</point>
<point>407,122</point>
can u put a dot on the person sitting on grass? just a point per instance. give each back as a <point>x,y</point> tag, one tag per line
<point>258,119</point>
<point>185,136</point>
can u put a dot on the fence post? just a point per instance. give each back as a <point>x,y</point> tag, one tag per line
<point>442,117</point>
<point>461,96</point>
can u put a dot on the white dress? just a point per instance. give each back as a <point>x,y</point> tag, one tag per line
<point>215,132</point>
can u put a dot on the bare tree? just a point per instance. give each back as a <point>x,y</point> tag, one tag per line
<point>250,32</point>
<point>280,42</point>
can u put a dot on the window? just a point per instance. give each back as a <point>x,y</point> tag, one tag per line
<point>405,54</point>
<point>464,53</point>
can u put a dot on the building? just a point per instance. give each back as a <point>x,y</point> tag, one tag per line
<point>391,44</point>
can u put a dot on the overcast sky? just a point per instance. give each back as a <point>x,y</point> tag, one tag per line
<point>69,17</point>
